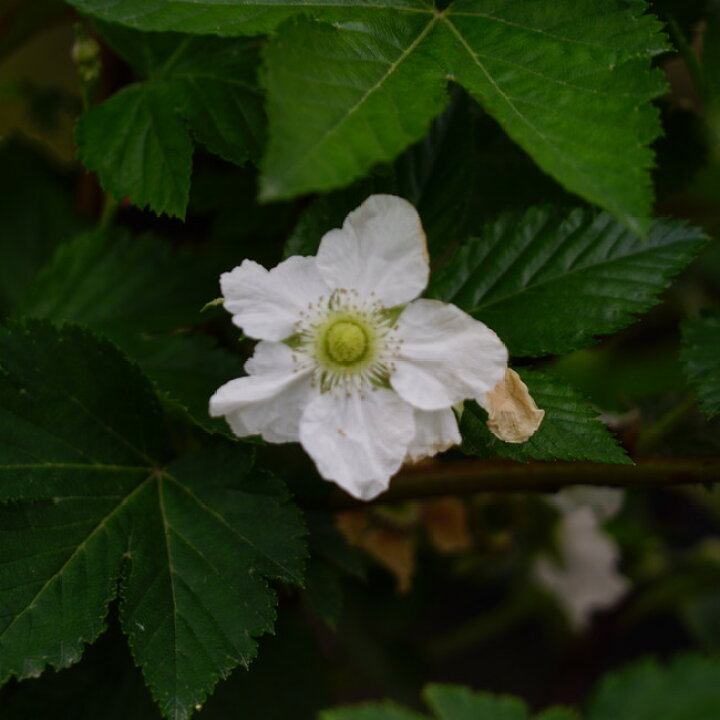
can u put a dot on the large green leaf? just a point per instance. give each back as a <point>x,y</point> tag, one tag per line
<point>159,290</point>
<point>701,357</point>
<point>570,82</point>
<point>688,689</point>
<point>549,281</point>
<point>240,17</point>
<point>92,501</point>
<point>139,140</point>
<point>569,431</point>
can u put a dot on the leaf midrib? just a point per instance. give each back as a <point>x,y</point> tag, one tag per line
<point>309,152</point>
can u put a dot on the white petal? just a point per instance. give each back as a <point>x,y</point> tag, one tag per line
<point>269,403</point>
<point>358,441</point>
<point>266,304</point>
<point>605,502</point>
<point>435,432</point>
<point>380,249</point>
<point>586,579</point>
<point>445,356</point>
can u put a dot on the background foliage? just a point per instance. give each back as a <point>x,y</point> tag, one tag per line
<point>563,156</point>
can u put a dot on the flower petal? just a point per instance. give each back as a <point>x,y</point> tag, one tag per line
<point>380,249</point>
<point>445,356</point>
<point>586,578</point>
<point>513,416</point>
<point>269,403</point>
<point>266,304</point>
<point>435,432</point>
<point>358,440</point>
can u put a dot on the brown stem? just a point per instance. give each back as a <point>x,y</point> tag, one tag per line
<point>478,476</point>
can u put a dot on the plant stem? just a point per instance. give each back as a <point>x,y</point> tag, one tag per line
<point>478,476</point>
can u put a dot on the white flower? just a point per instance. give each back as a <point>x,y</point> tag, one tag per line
<point>586,579</point>
<point>349,362</point>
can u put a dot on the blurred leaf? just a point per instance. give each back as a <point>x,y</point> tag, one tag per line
<point>36,211</point>
<point>701,357</point>
<point>139,140</point>
<point>549,281</point>
<point>569,431</point>
<point>452,702</point>
<point>371,711</point>
<point>93,501</point>
<point>689,688</point>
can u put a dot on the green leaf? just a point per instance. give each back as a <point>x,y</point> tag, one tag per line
<point>569,431</point>
<point>570,82</point>
<point>452,702</point>
<point>139,140</point>
<point>343,98</point>
<point>188,369</point>
<point>701,357</point>
<point>36,210</point>
<point>156,290</point>
<point>437,175</point>
<point>241,17</point>
<point>123,285</point>
<point>688,688</point>
<point>371,711</point>
<point>549,281</point>
<point>94,504</point>
<point>140,148</point>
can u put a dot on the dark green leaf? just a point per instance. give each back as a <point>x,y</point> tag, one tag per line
<point>123,285</point>
<point>139,140</point>
<point>188,369</point>
<point>155,290</point>
<point>687,689</point>
<point>569,431</point>
<point>36,212</point>
<point>701,356</point>
<point>82,454</point>
<point>549,281</point>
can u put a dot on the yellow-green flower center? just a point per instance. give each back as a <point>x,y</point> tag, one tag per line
<point>346,342</point>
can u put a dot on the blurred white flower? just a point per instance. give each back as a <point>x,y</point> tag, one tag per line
<point>349,362</point>
<point>585,578</point>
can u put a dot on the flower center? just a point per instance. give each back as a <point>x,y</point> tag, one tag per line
<point>346,342</point>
